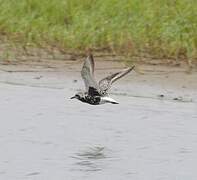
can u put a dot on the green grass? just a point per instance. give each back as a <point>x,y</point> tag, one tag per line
<point>164,28</point>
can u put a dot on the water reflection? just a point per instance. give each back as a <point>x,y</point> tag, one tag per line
<point>33,174</point>
<point>91,159</point>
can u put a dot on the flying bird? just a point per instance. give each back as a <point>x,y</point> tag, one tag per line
<point>97,93</point>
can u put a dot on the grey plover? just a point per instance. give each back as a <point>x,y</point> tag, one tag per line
<point>97,93</point>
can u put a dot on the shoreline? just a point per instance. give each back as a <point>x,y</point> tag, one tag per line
<point>17,53</point>
<point>147,81</point>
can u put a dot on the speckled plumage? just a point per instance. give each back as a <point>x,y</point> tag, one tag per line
<point>97,93</point>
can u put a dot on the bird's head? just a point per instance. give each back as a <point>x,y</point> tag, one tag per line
<point>77,96</point>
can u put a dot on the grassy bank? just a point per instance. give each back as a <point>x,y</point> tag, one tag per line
<point>164,28</point>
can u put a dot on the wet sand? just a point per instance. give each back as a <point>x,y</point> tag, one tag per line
<point>151,134</point>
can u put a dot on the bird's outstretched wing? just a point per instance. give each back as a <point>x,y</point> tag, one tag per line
<point>105,83</point>
<point>87,74</point>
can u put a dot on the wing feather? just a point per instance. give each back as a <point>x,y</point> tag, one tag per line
<point>87,73</point>
<point>105,83</point>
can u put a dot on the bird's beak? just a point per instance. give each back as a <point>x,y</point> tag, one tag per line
<point>73,97</point>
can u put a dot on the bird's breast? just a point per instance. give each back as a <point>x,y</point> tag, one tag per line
<point>94,100</point>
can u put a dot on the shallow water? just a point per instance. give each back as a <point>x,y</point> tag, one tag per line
<point>45,135</point>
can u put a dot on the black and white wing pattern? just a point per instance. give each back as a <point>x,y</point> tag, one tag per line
<point>87,74</point>
<point>105,83</point>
